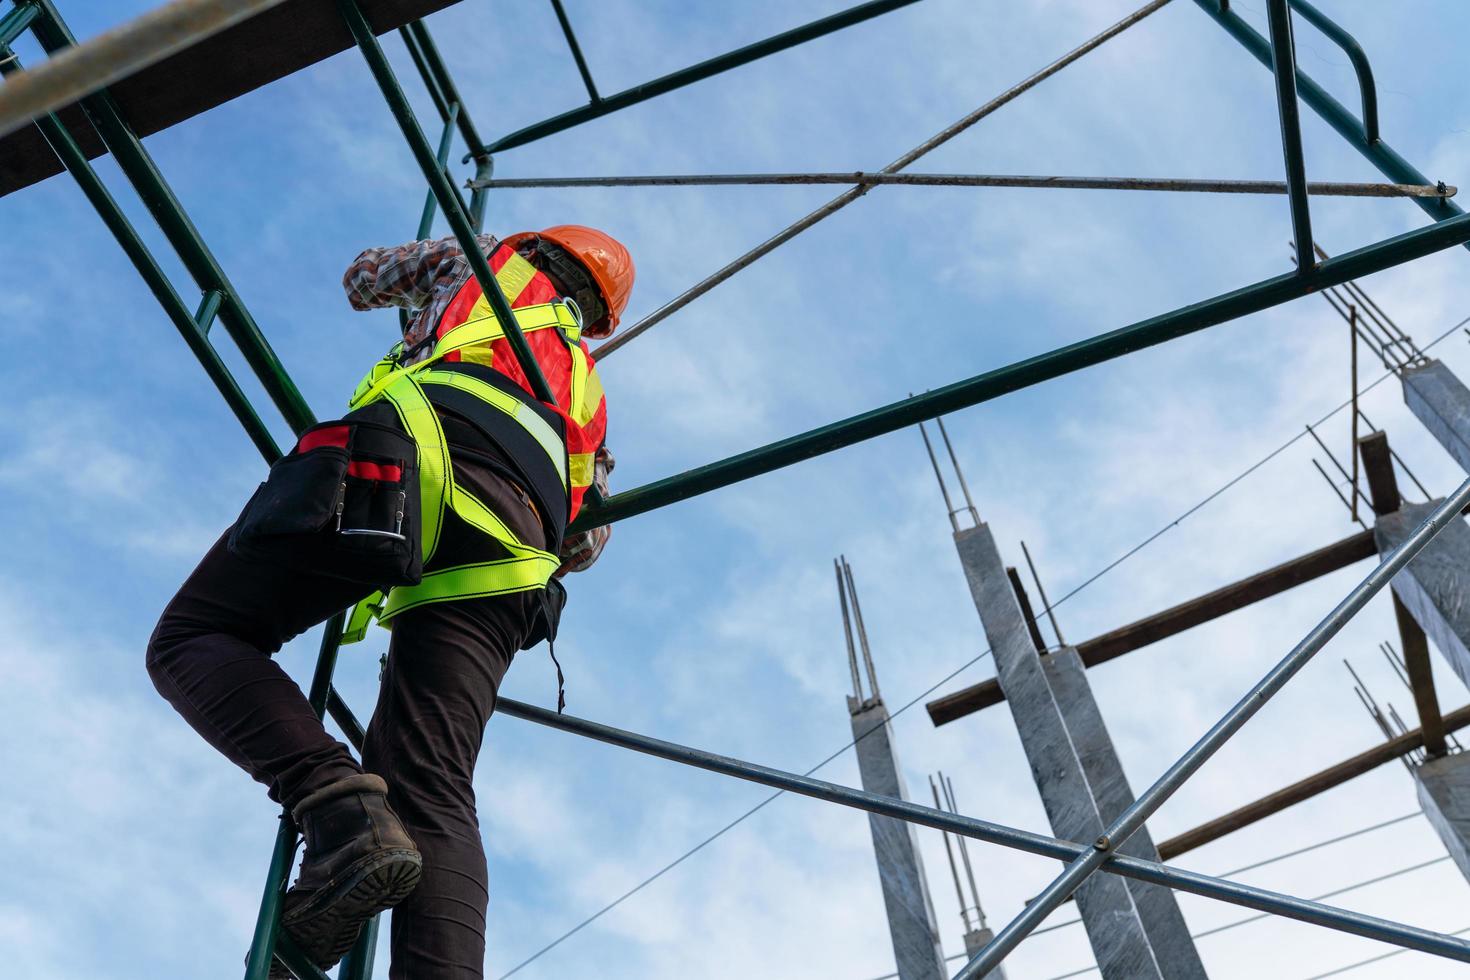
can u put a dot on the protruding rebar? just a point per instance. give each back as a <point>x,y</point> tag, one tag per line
<point>959,471</point>
<point>1041,593</point>
<point>954,870</point>
<point>943,488</point>
<point>954,807</point>
<point>862,630</point>
<point>852,663</point>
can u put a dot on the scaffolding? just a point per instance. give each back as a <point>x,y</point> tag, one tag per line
<point>91,99</point>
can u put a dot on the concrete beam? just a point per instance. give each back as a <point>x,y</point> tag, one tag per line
<point>1435,588</point>
<point>1444,793</point>
<point>1157,907</point>
<point>1112,917</point>
<point>1442,403</point>
<point>917,950</point>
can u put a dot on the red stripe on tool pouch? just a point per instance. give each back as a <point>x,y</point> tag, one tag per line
<point>386,472</point>
<point>335,435</point>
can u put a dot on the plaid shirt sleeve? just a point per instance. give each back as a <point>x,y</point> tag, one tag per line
<point>406,276</point>
<point>579,551</point>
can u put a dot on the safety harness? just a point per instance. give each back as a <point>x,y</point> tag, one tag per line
<point>531,432</point>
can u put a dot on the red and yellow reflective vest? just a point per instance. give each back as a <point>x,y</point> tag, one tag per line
<point>563,356</point>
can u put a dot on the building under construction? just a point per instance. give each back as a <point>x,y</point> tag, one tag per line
<point>956,838</point>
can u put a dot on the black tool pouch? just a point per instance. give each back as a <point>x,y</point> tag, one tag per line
<point>344,503</point>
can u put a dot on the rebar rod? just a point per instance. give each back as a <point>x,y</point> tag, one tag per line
<point>1335,490</point>
<point>954,869</point>
<point>145,40</point>
<point>848,196</point>
<point>948,504</point>
<point>1041,594</point>
<point>874,179</point>
<point>954,807</point>
<point>862,630</point>
<point>1188,764</point>
<point>1155,872</point>
<point>852,660</point>
<point>1340,469</point>
<point>1030,371</point>
<point>1353,384</point>
<point>959,471</point>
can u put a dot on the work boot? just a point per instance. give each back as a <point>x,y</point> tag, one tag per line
<point>359,861</point>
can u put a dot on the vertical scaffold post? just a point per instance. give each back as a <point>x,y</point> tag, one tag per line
<point>1283,64</point>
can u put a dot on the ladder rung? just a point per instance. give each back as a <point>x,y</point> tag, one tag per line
<point>208,310</point>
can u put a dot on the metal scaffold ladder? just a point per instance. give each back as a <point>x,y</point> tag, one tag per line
<point>86,100</point>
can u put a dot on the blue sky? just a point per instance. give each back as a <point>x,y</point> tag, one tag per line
<point>138,853</point>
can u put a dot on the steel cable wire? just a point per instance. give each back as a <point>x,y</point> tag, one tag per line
<point>741,818</point>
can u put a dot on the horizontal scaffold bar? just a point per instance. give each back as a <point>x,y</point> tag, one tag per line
<point>1031,371</point>
<point>870,179</point>
<point>994,833</point>
<point>600,107</point>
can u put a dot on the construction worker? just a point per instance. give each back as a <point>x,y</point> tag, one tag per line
<point>465,525</point>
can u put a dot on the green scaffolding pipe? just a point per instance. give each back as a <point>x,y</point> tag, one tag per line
<point>426,221</point>
<point>141,171</point>
<point>1283,67</point>
<point>448,197</point>
<point>1379,153</point>
<point>576,49</point>
<point>16,20</point>
<point>152,274</point>
<point>697,73</point>
<point>1356,55</point>
<point>1023,374</point>
<point>444,82</point>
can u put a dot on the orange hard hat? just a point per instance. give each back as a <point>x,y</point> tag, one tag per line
<point>605,258</point>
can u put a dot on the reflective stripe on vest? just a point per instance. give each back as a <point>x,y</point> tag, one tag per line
<point>538,427</point>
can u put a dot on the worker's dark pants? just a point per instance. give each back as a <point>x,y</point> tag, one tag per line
<point>211,658</point>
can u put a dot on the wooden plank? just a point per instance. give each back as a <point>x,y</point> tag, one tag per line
<point>253,53</point>
<point>1177,619</point>
<point>1307,788</point>
<point>1383,486</point>
<point>1421,678</point>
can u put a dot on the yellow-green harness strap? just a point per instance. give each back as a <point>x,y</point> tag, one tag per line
<point>525,568</point>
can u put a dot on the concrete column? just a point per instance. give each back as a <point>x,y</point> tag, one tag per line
<point>1163,923</point>
<point>911,924</point>
<point>1109,913</point>
<point>1442,403</point>
<point>1435,588</point>
<point>1444,793</point>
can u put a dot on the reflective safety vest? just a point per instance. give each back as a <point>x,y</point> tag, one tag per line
<point>458,376</point>
<point>562,355</point>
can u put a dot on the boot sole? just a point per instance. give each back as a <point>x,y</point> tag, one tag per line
<point>326,925</point>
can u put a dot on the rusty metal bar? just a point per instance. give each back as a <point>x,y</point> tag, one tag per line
<point>874,179</point>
